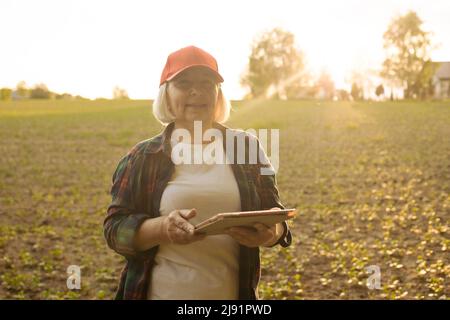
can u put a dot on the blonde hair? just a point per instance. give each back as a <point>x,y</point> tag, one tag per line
<point>162,113</point>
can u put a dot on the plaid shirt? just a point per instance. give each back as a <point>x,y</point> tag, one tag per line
<point>137,186</point>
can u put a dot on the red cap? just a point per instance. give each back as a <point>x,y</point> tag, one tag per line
<point>185,58</point>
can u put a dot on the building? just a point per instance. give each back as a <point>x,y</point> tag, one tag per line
<point>441,81</point>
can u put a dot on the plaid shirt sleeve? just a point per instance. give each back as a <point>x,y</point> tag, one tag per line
<point>269,193</point>
<point>122,219</point>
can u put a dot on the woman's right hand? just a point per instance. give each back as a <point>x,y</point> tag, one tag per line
<point>177,228</point>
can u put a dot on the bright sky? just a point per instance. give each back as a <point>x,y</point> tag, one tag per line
<point>87,47</point>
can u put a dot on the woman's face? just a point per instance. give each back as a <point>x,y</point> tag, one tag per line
<point>192,96</point>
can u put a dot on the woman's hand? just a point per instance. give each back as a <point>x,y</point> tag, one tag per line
<point>177,228</point>
<point>260,235</point>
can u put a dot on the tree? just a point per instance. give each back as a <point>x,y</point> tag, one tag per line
<point>5,94</point>
<point>326,86</point>
<point>40,91</point>
<point>119,93</point>
<point>424,86</point>
<point>276,66</point>
<point>356,92</point>
<point>408,60</point>
<point>343,95</point>
<point>64,96</point>
<point>22,91</point>
<point>379,90</point>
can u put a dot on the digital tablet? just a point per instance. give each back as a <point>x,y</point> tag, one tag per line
<point>219,223</point>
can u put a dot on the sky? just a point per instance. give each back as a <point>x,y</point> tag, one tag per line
<point>86,47</point>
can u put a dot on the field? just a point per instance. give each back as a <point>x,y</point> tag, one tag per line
<point>371,180</point>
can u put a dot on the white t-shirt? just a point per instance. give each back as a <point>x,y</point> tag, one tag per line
<point>205,269</point>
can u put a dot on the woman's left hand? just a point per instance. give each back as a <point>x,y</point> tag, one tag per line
<point>260,235</point>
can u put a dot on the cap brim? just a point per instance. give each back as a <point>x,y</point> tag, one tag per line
<point>218,76</point>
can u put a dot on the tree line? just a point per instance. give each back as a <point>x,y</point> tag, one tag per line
<point>41,91</point>
<point>276,67</point>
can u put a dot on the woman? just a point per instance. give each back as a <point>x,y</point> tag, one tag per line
<point>156,203</point>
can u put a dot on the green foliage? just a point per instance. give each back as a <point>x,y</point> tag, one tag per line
<point>356,92</point>
<point>379,91</point>
<point>276,66</point>
<point>5,94</point>
<point>22,90</point>
<point>40,91</point>
<point>408,61</point>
